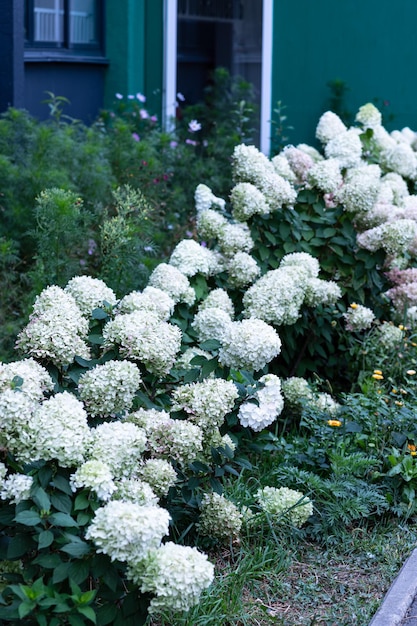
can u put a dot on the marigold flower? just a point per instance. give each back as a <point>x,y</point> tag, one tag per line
<point>378,376</point>
<point>335,423</point>
<point>353,305</point>
<point>378,372</point>
<point>398,403</point>
<point>412,447</point>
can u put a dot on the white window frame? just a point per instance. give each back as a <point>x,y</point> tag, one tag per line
<point>170,70</point>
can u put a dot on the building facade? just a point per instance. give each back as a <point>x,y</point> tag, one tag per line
<point>88,50</point>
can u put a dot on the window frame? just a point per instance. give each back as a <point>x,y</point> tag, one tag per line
<point>64,48</point>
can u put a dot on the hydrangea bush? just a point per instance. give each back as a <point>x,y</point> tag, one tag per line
<point>126,412</point>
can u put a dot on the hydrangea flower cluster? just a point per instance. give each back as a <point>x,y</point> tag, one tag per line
<point>269,405</point>
<point>192,258</point>
<point>150,299</point>
<point>249,344</point>
<point>283,504</point>
<point>57,330</point>
<point>247,200</point>
<point>219,518</point>
<point>95,475</point>
<point>90,293</point>
<point>205,199</point>
<point>169,279</point>
<point>111,440</point>
<point>159,474</point>
<point>296,391</point>
<point>109,389</point>
<point>390,336</point>
<point>358,318</point>
<point>206,403</point>
<point>142,336</point>
<point>16,488</point>
<point>242,270</point>
<point>28,376</point>
<point>176,576</point>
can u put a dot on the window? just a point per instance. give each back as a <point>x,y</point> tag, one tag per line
<point>63,24</point>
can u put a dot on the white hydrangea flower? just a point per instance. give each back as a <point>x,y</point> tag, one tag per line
<point>390,336</point>
<point>377,215</point>
<point>313,153</point>
<point>192,258</point>
<point>249,344</point>
<point>277,190</point>
<point>283,168</point>
<point>95,475</point>
<point>210,224</point>
<point>325,175</point>
<point>270,405</point>
<point>205,199</point>
<point>235,238</point>
<point>296,391</point>
<point>176,575</point>
<point>398,186</point>
<point>16,410</point>
<point>90,293</point>
<point>219,299</point>
<point>169,279</point>
<point>358,318</point>
<point>36,380</point>
<point>242,270</point>
<point>247,200</point>
<point>401,159</point>
<point>278,295</point>
<point>369,116</point>
<point>304,260</point>
<point>150,299</point>
<point>16,488</point>
<point>142,336</point>
<point>285,504</point>
<point>329,126</point>
<point>207,402</point>
<point>126,531</point>
<point>134,490</point>
<point>211,323</point>
<point>346,148</point>
<point>360,190</point>
<point>394,237</point>
<point>110,442</point>
<point>300,162</point>
<point>324,402</point>
<point>57,330</point>
<point>321,292</point>
<point>159,474</point>
<point>110,388</point>
<point>219,517</point>
<point>57,430</point>
<point>3,471</point>
<point>175,439</point>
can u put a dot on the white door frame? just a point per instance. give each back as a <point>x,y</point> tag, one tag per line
<point>170,70</point>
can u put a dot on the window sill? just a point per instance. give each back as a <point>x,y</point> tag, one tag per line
<point>59,56</point>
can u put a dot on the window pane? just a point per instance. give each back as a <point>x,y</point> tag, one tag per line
<point>49,20</point>
<point>83,22</point>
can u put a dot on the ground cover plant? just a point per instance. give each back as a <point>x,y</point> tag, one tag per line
<point>262,382</point>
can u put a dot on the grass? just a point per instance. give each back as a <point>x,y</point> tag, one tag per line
<point>300,583</point>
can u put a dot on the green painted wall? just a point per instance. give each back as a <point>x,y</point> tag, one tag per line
<point>134,47</point>
<point>125,48</point>
<point>368,44</point>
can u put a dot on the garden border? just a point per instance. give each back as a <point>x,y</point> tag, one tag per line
<point>399,596</point>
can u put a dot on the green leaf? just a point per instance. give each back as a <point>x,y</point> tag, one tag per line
<point>28,518</point>
<point>60,573</point>
<point>88,612</point>
<point>76,620</point>
<point>62,483</point>
<point>49,561</point>
<point>76,548</point>
<point>41,498</point>
<point>45,475</point>
<point>99,314</point>
<point>106,614</point>
<point>81,502</point>
<point>25,608</point>
<point>19,545</point>
<point>45,538</point>
<point>88,596</point>
<point>62,519</point>
<point>61,502</point>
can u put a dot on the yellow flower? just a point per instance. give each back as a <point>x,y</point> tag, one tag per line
<point>401,327</point>
<point>334,422</point>
<point>378,376</point>
<point>394,391</point>
<point>413,453</point>
<point>411,372</point>
<point>378,372</point>
<point>413,343</point>
<point>353,305</point>
<point>411,447</point>
<point>399,403</point>
<point>403,391</point>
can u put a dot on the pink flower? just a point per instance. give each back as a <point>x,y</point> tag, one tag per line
<point>135,136</point>
<point>154,118</point>
<point>191,142</point>
<point>194,126</point>
<point>119,96</point>
<point>130,97</point>
<point>144,114</point>
<point>173,144</point>
<point>180,97</point>
<point>141,97</point>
